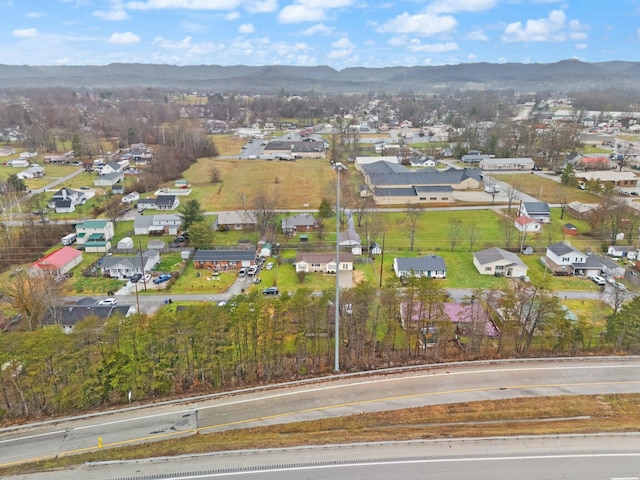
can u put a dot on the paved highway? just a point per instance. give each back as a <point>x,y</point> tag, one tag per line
<point>334,397</point>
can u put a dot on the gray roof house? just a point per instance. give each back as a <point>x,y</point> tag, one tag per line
<point>303,222</point>
<point>124,267</point>
<point>611,267</point>
<point>563,259</point>
<point>167,202</point>
<point>539,211</point>
<point>496,261</point>
<point>349,238</point>
<point>431,266</point>
<point>108,179</point>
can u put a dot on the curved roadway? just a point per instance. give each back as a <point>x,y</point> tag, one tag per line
<point>334,397</point>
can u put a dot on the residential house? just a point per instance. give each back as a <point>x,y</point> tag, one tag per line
<point>504,164</point>
<point>117,190</point>
<point>65,200</point>
<point>324,262</point>
<point>161,224</point>
<point>110,167</point>
<point>622,251</point>
<point>95,235</point>
<point>432,266</point>
<point>467,320</point>
<point>562,259</point>
<point>237,220</point>
<point>167,202</point>
<point>108,179</point>
<point>539,211</point>
<point>35,171</point>
<point>126,266</point>
<point>527,225</point>
<point>68,316</point>
<point>496,261</point>
<point>131,197</point>
<point>303,222</point>
<point>223,259</point>
<point>611,267</point>
<point>56,263</point>
<point>146,203</point>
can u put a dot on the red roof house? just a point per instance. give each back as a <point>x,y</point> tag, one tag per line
<point>56,263</point>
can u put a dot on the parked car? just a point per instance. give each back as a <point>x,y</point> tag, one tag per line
<point>242,272</point>
<point>162,278</point>
<point>257,280</point>
<point>620,286</point>
<point>107,302</point>
<point>269,266</point>
<point>271,291</point>
<point>135,278</point>
<point>598,280</point>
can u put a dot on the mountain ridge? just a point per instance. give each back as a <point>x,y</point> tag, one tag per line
<point>565,75</point>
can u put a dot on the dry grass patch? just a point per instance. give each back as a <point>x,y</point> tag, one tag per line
<point>300,183</point>
<point>519,416</point>
<point>535,185</point>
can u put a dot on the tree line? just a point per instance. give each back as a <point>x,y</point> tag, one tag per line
<point>257,340</point>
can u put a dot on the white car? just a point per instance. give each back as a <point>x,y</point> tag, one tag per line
<point>269,266</point>
<point>107,302</point>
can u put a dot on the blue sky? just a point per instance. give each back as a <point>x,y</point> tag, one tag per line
<point>338,33</point>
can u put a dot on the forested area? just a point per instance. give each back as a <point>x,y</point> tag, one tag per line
<point>258,340</point>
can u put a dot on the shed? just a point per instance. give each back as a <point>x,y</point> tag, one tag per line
<point>125,244</point>
<point>570,229</point>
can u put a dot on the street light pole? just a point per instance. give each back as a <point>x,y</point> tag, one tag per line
<point>338,167</point>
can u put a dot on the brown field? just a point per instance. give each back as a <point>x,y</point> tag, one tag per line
<point>300,184</point>
<point>551,190</point>
<point>228,145</point>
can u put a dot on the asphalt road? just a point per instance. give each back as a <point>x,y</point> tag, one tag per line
<point>576,457</point>
<point>334,397</point>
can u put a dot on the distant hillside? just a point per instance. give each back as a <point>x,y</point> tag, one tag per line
<point>567,75</point>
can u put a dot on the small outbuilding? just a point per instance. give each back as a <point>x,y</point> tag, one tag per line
<point>125,244</point>
<point>570,229</point>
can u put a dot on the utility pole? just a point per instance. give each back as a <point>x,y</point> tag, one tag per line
<point>338,167</point>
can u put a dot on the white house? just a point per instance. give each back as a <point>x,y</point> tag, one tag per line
<point>322,262</point>
<point>125,266</point>
<point>622,251</point>
<point>496,261</point>
<point>166,224</point>
<point>527,225</point>
<point>563,259</point>
<point>539,211</point>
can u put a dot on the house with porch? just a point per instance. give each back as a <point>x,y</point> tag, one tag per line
<point>237,220</point>
<point>323,262</point>
<point>126,266</point>
<point>217,260</point>
<point>95,235</point>
<point>431,266</point>
<point>496,261</point>
<point>303,222</point>
<point>65,200</point>
<point>562,259</point>
<point>161,224</point>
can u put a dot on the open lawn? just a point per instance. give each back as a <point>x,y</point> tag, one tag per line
<point>228,145</point>
<point>299,185</point>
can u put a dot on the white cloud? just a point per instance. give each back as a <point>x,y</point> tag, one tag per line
<point>183,5</point>
<point>581,46</point>
<point>25,32</point>
<point>246,28</point>
<point>126,38</point>
<point>554,28</point>
<point>35,14</point>
<point>232,16</point>
<point>339,53</point>
<point>472,57</point>
<point>452,6</point>
<point>478,36</point>
<point>300,13</point>
<point>344,42</point>
<point>261,6</point>
<point>416,46</point>
<point>111,15</point>
<point>422,24</point>
<point>318,29</point>
<point>183,44</point>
